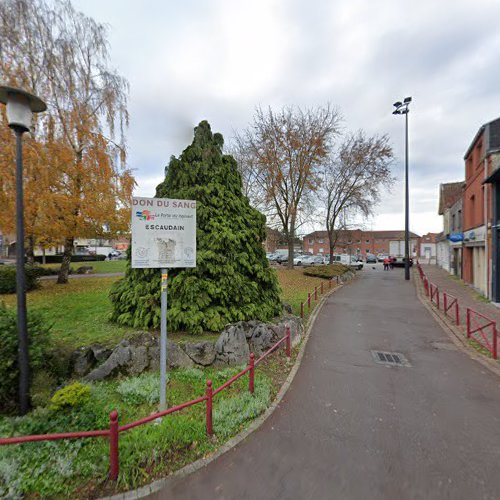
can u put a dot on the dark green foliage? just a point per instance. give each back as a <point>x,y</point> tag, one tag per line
<point>57,259</point>
<point>232,280</point>
<point>327,272</point>
<point>39,342</point>
<point>8,278</point>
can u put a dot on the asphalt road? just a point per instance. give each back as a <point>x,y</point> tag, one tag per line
<point>351,428</point>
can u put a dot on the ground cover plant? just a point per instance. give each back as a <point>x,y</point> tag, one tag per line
<point>327,272</point>
<point>76,468</point>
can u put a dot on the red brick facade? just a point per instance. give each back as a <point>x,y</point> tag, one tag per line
<point>356,241</point>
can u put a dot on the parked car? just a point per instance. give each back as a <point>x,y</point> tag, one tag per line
<point>297,260</point>
<point>371,259</point>
<point>400,262</point>
<point>381,257</point>
<point>313,260</point>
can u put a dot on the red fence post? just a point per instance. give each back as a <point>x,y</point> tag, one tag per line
<point>337,279</point>
<point>426,286</point>
<point>288,343</point>
<point>315,293</point>
<point>437,297</point>
<point>468,322</point>
<point>302,310</point>
<point>445,303</point>
<point>329,283</point>
<point>321,288</point>
<point>251,373</point>
<point>209,408</point>
<point>495,342</point>
<point>114,460</point>
<point>457,313</point>
<point>309,300</point>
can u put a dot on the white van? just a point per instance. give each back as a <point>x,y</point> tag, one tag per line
<point>348,260</point>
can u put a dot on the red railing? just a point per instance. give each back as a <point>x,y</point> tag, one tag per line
<point>483,330</point>
<point>113,433</point>
<point>315,293</point>
<point>478,327</point>
<point>434,291</point>
<point>449,302</point>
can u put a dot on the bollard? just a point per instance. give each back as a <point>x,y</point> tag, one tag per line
<point>288,343</point>
<point>251,373</point>
<point>114,464</point>
<point>495,342</point>
<point>209,408</point>
<point>468,322</point>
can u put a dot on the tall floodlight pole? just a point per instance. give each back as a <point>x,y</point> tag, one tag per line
<point>20,107</point>
<point>402,108</point>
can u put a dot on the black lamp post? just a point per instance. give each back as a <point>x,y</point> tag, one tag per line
<point>20,107</point>
<point>402,108</point>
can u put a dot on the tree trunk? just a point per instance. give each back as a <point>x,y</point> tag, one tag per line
<point>44,260</point>
<point>291,243</point>
<point>30,250</point>
<point>66,261</point>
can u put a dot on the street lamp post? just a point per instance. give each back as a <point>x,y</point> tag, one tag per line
<point>20,107</point>
<point>402,108</point>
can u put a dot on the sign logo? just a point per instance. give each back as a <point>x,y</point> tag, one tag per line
<point>144,215</point>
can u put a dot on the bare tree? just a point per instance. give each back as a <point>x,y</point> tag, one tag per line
<point>281,153</point>
<point>352,181</point>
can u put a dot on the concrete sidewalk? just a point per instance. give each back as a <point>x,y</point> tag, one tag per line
<point>353,428</point>
<point>467,296</point>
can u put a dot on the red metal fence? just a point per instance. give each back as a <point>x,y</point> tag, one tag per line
<point>113,433</point>
<point>483,330</point>
<point>310,294</point>
<point>478,327</point>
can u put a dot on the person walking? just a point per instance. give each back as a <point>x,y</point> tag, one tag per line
<point>387,261</point>
<point>391,262</point>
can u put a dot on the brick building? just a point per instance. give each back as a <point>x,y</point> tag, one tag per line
<point>481,212</point>
<point>357,242</point>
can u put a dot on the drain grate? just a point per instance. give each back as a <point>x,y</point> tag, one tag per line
<point>390,358</point>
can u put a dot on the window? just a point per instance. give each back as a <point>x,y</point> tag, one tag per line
<point>321,250</point>
<point>367,241</point>
<point>321,240</point>
<point>311,241</point>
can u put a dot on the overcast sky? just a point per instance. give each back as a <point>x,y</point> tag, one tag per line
<point>219,59</point>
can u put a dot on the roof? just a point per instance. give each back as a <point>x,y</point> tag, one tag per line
<point>382,235</point>
<point>449,194</point>
<point>492,136</point>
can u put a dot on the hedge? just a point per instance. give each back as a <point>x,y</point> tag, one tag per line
<point>8,278</point>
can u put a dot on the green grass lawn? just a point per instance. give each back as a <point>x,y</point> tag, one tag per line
<point>104,266</point>
<point>80,309</point>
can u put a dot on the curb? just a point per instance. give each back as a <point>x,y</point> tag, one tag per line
<point>159,484</point>
<point>454,333</point>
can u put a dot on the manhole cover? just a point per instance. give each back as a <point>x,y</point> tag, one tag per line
<point>390,358</point>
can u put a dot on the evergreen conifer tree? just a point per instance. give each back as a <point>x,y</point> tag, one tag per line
<point>232,280</point>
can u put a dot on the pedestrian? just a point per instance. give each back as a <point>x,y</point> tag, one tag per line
<point>391,262</point>
<point>387,261</point>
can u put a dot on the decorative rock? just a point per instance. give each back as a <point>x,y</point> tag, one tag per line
<point>176,357</point>
<point>100,353</point>
<point>264,336</point>
<point>202,353</point>
<point>287,308</point>
<point>82,361</point>
<point>115,364</point>
<point>139,360</point>
<point>231,347</point>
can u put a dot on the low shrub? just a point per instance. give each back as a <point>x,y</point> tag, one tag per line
<point>71,396</point>
<point>142,389</point>
<point>51,271</point>
<point>8,278</point>
<point>327,272</point>
<point>38,331</point>
<point>57,259</point>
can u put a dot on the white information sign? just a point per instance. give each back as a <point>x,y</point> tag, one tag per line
<point>163,233</point>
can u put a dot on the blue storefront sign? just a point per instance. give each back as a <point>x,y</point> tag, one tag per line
<point>456,237</point>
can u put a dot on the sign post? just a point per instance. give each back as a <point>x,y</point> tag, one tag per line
<point>163,236</point>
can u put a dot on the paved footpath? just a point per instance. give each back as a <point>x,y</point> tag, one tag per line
<point>466,295</point>
<point>350,428</point>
